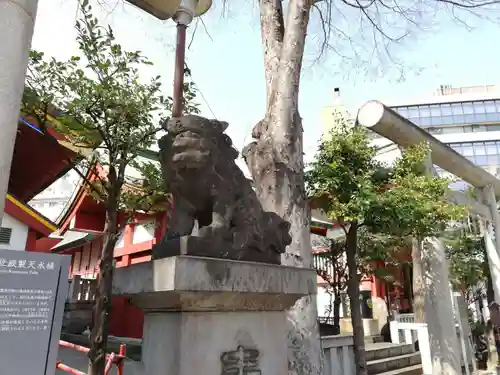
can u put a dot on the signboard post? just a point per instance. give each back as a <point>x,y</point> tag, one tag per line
<point>33,291</point>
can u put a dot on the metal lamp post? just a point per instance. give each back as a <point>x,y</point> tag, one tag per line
<point>183,13</point>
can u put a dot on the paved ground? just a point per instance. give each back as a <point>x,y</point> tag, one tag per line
<point>80,362</point>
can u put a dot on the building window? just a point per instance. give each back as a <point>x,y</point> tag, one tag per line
<point>467,149</point>
<point>491,148</point>
<point>489,106</point>
<point>425,111</point>
<point>446,110</point>
<point>479,149</point>
<point>477,112</point>
<point>413,112</point>
<point>484,154</point>
<point>468,108</point>
<point>456,109</point>
<point>481,160</point>
<point>403,111</point>
<point>435,110</point>
<point>5,235</point>
<point>425,121</point>
<point>480,117</point>
<point>478,107</point>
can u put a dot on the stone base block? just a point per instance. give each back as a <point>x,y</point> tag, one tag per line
<point>202,247</point>
<point>187,283</point>
<point>215,343</point>
<point>214,316</point>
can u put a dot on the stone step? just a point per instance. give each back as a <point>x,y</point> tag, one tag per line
<point>383,365</point>
<point>410,370</point>
<point>387,350</point>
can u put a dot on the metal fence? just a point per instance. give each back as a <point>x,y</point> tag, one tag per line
<point>117,360</point>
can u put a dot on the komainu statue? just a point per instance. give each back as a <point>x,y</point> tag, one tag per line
<point>199,169</point>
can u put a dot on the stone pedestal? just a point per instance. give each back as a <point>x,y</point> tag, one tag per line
<point>214,316</point>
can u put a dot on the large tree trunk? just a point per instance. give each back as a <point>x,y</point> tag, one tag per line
<point>273,32</point>
<point>353,291</point>
<point>102,307</point>
<point>276,163</point>
<point>418,282</point>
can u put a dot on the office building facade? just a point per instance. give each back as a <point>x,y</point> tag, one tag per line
<point>465,118</point>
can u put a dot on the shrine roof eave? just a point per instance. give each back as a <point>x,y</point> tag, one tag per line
<point>73,241</point>
<point>29,216</point>
<point>39,159</point>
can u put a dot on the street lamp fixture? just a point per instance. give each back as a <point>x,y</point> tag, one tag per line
<point>159,8</point>
<point>183,13</point>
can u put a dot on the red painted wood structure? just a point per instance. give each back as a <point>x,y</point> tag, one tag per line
<point>112,359</point>
<point>86,215</point>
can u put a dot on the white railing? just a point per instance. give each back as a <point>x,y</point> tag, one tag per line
<point>408,333</point>
<point>404,318</point>
<point>338,354</point>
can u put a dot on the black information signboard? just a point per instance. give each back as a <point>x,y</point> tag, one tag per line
<point>33,290</point>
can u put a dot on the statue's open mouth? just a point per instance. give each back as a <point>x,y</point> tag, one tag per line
<point>190,159</point>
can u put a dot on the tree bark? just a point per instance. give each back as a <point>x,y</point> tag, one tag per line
<point>353,291</point>
<point>418,281</point>
<point>275,160</point>
<point>103,302</point>
<point>273,31</point>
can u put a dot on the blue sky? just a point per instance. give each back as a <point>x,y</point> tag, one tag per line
<point>227,61</point>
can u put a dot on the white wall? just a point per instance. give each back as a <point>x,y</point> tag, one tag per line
<point>324,301</point>
<point>121,239</point>
<point>144,231</point>
<point>19,233</point>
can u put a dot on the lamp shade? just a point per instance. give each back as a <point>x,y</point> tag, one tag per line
<point>202,7</point>
<point>162,9</point>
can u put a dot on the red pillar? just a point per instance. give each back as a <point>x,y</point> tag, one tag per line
<point>31,241</point>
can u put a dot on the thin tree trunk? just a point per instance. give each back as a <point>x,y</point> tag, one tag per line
<point>418,281</point>
<point>102,306</point>
<point>336,312</point>
<point>490,291</point>
<point>353,291</point>
<point>276,163</point>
